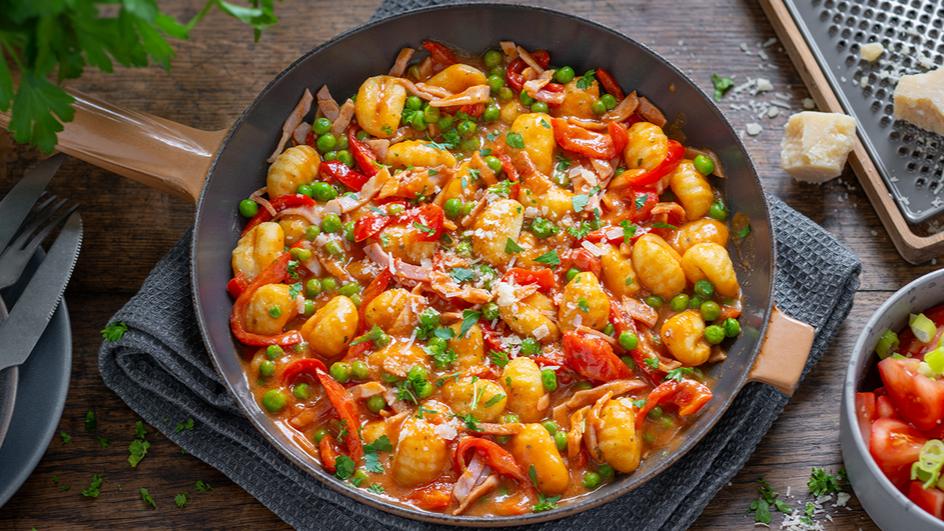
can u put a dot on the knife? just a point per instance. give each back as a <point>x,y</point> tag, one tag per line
<point>32,312</point>
<point>20,200</point>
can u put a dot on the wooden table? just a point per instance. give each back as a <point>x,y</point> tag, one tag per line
<point>215,75</point>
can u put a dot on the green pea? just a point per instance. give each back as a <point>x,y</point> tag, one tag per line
<point>655,413</point>
<point>418,121</point>
<point>445,122</point>
<point>334,248</point>
<point>453,207</point>
<point>496,83</point>
<point>564,74</point>
<point>718,211</point>
<point>652,300</point>
<point>571,273</point>
<point>598,107</point>
<point>431,114</point>
<point>340,371</point>
<point>349,289</point>
<point>714,334</point>
<point>348,230</point>
<point>275,312</point>
<point>429,318</point>
<point>466,128</point>
<point>345,157</point>
<point>248,208</point>
<point>530,346</point>
<point>628,340</point>
<point>492,113</point>
<point>312,287</point>
<point>606,472</point>
<point>437,344</point>
<point>309,307</point>
<point>550,426</point>
<point>704,289</point>
<point>494,163</point>
<point>423,389</point>
<point>609,329</point>
<point>395,209</point>
<point>304,189</point>
<point>549,379</point>
<point>710,310</point>
<point>274,351</point>
<point>467,208</point>
<point>560,440</point>
<point>342,144</point>
<point>326,142</point>
<point>302,391</point>
<point>505,94</point>
<point>300,253</point>
<point>471,144</point>
<point>525,98</point>
<point>510,418</point>
<point>591,480</point>
<point>679,302</point>
<point>695,303</point>
<point>321,126</point>
<point>330,156</point>
<point>732,328</point>
<point>704,164</point>
<point>490,311</point>
<point>492,58</point>
<point>331,223</point>
<point>319,434</point>
<point>417,373</point>
<point>312,232</point>
<point>609,101</point>
<point>267,368</point>
<point>323,191</point>
<point>376,404</point>
<point>362,135</point>
<point>414,103</point>
<point>539,106</point>
<point>274,400</point>
<point>359,370</point>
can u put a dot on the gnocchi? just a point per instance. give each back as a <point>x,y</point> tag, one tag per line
<point>293,167</point>
<point>658,266</point>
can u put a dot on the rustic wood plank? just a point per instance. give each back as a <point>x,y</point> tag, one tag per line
<point>215,75</point>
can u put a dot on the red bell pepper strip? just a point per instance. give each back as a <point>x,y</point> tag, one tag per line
<point>583,141</point>
<point>497,458</point>
<point>342,402</point>
<point>363,156</point>
<point>339,171</point>
<point>275,272</point>
<point>516,67</point>
<point>279,204</point>
<point>543,277</point>
<point>440,53</point>
<point>329,453</point>
<point>582,259</point>
<point>609,84</point>
<point>593,358</point>
<point>673,156</point>
<point>690,396</point>
<point>473,109</point>
<point>377,286</point>
<point>490,337</point>
<point>642,205</point>
<point>619,136</point>
<point>237,285</point>
<point>622,323</point>
<point>428,216</point>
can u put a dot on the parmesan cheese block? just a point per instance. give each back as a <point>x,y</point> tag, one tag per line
<point>871,51</point>
<point>919,99</point>
<point>815,145</point>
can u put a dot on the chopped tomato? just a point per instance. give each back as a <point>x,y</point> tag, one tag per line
<point>931,500</point>
<point>690,396</point>
<point>275,272</point>
<point>473,109</point>
<point>609,84</point>
<point>497,458</point>
<point>428,218</point>
<point>642,205</point>
<point>341,172</point>
<point>865,412</point>
<point>916,397</point>
<point>440,53</point>
<point>434,497</point>
<point>582,259</point>
<point>583,141</point>
<point>544,277</point>
<point>884,407</point>
<point>673,156</point>
<point>517,65</point>
<point>237,285</point>
<point>895,446</point>
<point>363,156</point>
<point>279,204</point>
<point>593,358</point>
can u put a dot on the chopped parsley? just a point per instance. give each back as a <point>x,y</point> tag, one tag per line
<point>512,247</point>
<point>66,438</point>
<point>583,305</point>
<point>451,138</point>
<point>372,463</point>
<point>768,499</point>
<point>423,228</point>
<point>343,467</point>
<point>544,503</point>
<point>641,200</point>
<point>294,290</point>
<point>147,498</point>
<point>185,425</point>
<point>374,334</point>
<point>94,488</point>
<point>180,500</point>
<point>548,258</point>
<point>722,85</point>
<point>498,357</point>
<point>579,202</point>
<point>202,486</point>
<point>652,362</point>
<point>587,79</point>
<point>662,225</point>
<point>629,230</point>
<point>678,373</point>
<point>822,482</point>
<point>443,359</point>
<point>501,189</point>
<point>470,422</point>
<point>91,423</point>
<point>62,487</point>
<point>639,403</point>
<point>376,488</point>
<point>462,274</point>
<point>743,232</point>
<point>380,444</point>
<point>471,317</point>
<point>114,331</point>
<point>103,442</point>
<point>514,140</point>
<point>544,124</point>
<point>138,448</point>
<point>494,400</point>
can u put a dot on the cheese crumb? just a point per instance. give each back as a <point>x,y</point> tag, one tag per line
<point>816,144</point>
<point>919,99</point>
<point>753,129</point>
<point>871,51</point>
<point>809,104</point>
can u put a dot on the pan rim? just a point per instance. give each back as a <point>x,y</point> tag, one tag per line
<point>585,502</point>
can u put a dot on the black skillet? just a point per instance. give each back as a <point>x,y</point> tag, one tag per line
<point>228,165</point>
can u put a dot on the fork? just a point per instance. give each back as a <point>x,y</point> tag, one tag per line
<point>49,213</point>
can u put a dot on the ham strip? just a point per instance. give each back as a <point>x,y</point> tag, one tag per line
<point>586,123</point>
<point>471,476</point>
<point>589,396</point>
<point>379,146</point>
<point>397,267</point>
<point>294,119</point>
<point>651,113</point>
<point>301,132</point>
<point>484,488</point>
<point>469,96</point>
<point>639,311</point>
<point>326,104</point>
<point>691,153</point>
<point>403,58</point>
<point>526,57</point>
<point>509,49</point>
<point>344,118</point>
<point>422,90</point>
<point>307,213</point>
<point>263,202</point>
<point>624,110</point>
<point>578,425</point>
<point>366,390</point>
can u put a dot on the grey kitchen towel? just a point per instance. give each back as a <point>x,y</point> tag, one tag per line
<point>161,369</point>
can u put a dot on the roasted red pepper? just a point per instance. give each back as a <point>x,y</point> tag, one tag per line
<point>329,453</point>
<point>544,277</point>
<point>583,141</point>
<point>272,274</point>
<point>279,204</point>
<point>341,172</point>
<point>619,136</point>
<point>593,358</point>
<point>343,403</point>
<point>688,395</point>
<point>440,53</point>
<point>429,219</point>
<point>237,285</point>
<point>516,67</point>
<point>582,259</point>
<point>363,156</point>
<point>622,323</point>
<point>643,203</point>
<point>673,156</point>
<point>473,109</point>
<point>497,458</point>
<point>609,84</point>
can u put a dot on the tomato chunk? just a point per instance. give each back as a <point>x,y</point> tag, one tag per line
<point>931,500</point>
<point>917,398</point>
<point>895,446</point>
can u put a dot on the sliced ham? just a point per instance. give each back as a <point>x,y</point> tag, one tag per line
<point>589,396</point>
<point>345,114</point>
<point>366,390</point>
<point>443,285</point>
<point>624,109</point>
<point>294,119</point>
<point>422,90</point>
<point>300,134</point>
<point>308,213</point>
<point>526,57</point>
<point>578,425</point>
<point>481,490</point>
<point>691,153</point>
<point>509,49</point>
<point>379,146</point>
<point>263,202</point>
<point>403,59</point>
<point>650,112</point>
<point>326,104</point>
<point>469,96</point>
<point>397,267</point>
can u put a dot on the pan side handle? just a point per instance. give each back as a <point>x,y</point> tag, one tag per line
<point>159,153</point>
<point>783,353</point>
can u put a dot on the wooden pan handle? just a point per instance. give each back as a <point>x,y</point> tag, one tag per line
<point>159,153</point>
<point>783,353</point>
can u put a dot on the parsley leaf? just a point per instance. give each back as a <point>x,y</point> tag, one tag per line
<point>498,357</point>
<point>663,225</point>
<point>147,498</point>
<point>722,85</point>
<point>641,200</point>
<point>114,331</point>
<point>587,79</point>
<point>549,258</point>
<point>94,488</point>
<point>103,442</point>
<point>629,230</point>
<point>443,359</point>
<point>743,232</point>
<point>90,421</point>
<point>66,438</point>
<point>470,422</point>
<point>202,486</point>
<point>512,247</point>
<point>822,482</point>
<point>761,510</point>
<point>185,425</point>
<point>180,500</point>
<point>462,274</point>
<point>494,400</point>
<point>652,362</point>
<point>376,488</point>
<point>343,467</point>
<point>583,305</point>
<point>380,444</point>
<point>580,201</point>
<point>423,228</point>
<point>139,430</point>
<point>372,463</point>
<point>544,503</point>
<point>514,140</point>
<point>469,319</point>
<point>137,450</point>
<point>678,373</point>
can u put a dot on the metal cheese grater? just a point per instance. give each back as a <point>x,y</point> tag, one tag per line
<point>910,160</point>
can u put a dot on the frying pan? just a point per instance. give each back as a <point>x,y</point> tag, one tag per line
<point>219,168</point>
